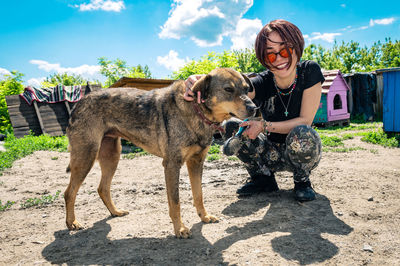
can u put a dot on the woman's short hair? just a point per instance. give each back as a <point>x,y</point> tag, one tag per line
<point>290,34</point>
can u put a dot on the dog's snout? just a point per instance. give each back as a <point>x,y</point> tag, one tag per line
<point>251,108</point>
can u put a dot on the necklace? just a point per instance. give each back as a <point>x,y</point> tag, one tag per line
<point>285,106</point>
<point>291,87</point>
<point>279,92</point>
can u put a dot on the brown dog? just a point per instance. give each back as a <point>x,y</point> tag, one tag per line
<point>162,123</point>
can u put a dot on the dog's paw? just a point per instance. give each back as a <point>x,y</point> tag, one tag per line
<point>119,213</point>
<point>209,219</point>
<point>74,226</point>
<point>183,232</point>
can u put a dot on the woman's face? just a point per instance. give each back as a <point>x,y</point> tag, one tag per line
<point>280,65</point>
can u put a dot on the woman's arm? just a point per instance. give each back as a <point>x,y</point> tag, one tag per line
<point>309,106</point>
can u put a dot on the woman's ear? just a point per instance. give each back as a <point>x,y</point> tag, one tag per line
<point>202,85</point>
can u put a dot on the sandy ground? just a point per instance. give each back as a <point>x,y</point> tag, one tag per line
<point>354,220</point>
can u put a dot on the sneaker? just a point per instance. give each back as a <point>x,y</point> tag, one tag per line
<point>303,191</point>
<point>257,184</point>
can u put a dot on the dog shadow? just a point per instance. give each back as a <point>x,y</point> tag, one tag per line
<point>303,223</point>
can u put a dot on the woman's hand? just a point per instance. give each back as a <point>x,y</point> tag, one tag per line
<point>189,82</point>
<point>254,128</point>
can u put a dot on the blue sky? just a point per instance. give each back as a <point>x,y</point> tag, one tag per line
<point>42,37</point>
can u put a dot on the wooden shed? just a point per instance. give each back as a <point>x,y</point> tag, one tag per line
<point>391,98</point>
<point>143,84</point>
<point>333,108</point>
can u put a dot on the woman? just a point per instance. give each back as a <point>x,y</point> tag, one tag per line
<point>288,94</point>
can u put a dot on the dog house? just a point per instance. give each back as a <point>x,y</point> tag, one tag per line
<point>333,109</point>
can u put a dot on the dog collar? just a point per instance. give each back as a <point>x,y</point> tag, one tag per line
<point>214,125</point>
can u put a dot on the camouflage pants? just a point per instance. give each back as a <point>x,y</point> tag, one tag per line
<point>300,154</point>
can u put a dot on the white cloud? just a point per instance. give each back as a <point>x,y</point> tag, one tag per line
<point>4,71</point>
<point>203,21</point>
<point>171,61</point>
<point>35,82</point>
<point>85,71</point>
<point>329,37</point>
<point>245,33</point>
<point>343,5</point>
<point>384,21</point>
<point>105,5</point>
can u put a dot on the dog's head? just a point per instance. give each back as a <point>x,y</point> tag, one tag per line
<point>224,92</point>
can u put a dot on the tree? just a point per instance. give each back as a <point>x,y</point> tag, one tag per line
<point>64,79</point>
<point>114,70</point>
<point>350,57</point>
<point>241,60</point>
<point>10,85</point>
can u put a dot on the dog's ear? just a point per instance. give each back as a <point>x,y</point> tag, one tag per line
<point>202,85</point>
<point>248,82</point>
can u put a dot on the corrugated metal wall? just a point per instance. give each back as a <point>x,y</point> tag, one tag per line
<point>391,101</point>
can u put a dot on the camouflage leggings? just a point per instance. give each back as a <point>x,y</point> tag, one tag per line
<point>300,154</point>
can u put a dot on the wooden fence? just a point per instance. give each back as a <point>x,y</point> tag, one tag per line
<point>40,118</point>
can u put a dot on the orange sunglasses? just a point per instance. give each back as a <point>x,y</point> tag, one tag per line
<point>285,53</point>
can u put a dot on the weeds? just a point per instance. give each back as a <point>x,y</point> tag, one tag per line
<point>381,138</point>
<point>6,206</point>
<point>44,200</point>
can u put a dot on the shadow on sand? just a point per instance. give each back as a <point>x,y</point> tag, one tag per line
<point>302,223</point>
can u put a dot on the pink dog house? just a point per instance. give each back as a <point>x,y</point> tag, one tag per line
<point>333,106</point>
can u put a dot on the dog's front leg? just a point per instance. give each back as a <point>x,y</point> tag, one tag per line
<point>171,171</point>
<point>195,169</point>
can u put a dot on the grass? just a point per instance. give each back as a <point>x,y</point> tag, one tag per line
<point>6,206</point>
<point>137,153</point>
<point>381,138</point>
<point>19,148</point>
<point>332,140</point>
<point>42,201</point>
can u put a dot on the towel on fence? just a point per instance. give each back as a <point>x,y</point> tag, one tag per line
<point>56,94</point>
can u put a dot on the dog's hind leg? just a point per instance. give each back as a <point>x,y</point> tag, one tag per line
<point>109,154</point>
<point>81,162</point>
<point>171,170</point>
<point>195,168</point>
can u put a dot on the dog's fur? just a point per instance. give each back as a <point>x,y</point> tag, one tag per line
<point>162,123</point>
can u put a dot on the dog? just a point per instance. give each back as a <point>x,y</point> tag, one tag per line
<point>161,122</point>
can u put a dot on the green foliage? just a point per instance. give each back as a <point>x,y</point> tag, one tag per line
<point>351,57</point>
<point>214,149</point>
<point>241,60</point>
<point>381,138</point>
<point>247,61</point>
<point>10,85</point>
<point>133,155</point>
<point>42,201</point>
<point>114,70</point>
<point>6,206</point>
<point>19,148</point>
<point>64,79</point>
<point>331,141</point>
<point>213,157</point>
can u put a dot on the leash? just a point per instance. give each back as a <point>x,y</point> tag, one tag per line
<point>214,125</point>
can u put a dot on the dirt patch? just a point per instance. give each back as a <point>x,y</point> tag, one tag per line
<point>354,220</point>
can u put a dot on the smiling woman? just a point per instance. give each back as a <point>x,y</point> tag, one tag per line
<point>288,94</point>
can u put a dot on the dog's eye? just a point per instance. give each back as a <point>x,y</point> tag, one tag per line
<point>229,89</point>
